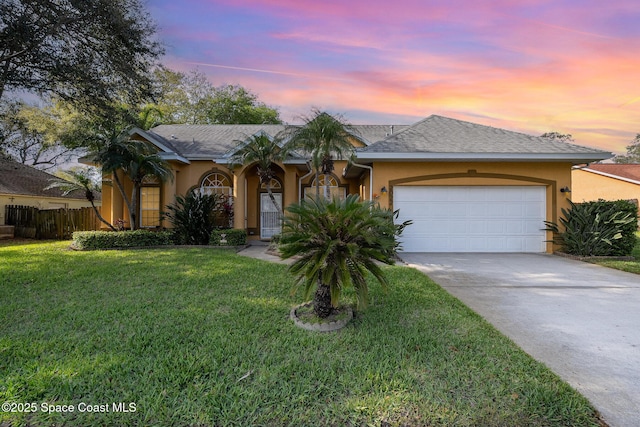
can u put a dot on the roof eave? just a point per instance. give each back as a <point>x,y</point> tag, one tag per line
<point>483,157</point>
<point>172,156</point>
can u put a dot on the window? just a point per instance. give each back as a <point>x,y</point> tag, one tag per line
<point>274,183</point>
<point>216,183</point>
<point>329,188</point>
<point>150,206</point>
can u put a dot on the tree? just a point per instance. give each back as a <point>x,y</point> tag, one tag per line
<point>191,99</point>
<point>633,152</point>
<point>38,136</point>
<point>233,104</point>
<point>337,242</point>
<point>80,179</point>
<point>137,160</point>
<point>90,52</point>
<point>557,136</point>
<point>323,136</point>
<point>264,151</point>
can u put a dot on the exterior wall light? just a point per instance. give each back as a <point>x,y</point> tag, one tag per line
<point>565,190</point>
<point>383,190</point>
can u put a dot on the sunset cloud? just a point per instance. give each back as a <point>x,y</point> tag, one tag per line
<point>527,65</point>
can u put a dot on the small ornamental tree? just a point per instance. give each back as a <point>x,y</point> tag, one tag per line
<point>337,242</point>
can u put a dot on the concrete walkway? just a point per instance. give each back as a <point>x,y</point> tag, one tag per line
<point>259,251</point>
<point>581,320</point>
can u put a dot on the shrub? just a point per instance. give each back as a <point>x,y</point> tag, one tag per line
<point>337,242</point>
<point>194,216</point>
<point>233,237</point>
<point>88,240</point>
<point>597,228</point>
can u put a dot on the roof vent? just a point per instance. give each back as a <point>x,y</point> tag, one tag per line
<point>173,137</point>
<point>391,130</point>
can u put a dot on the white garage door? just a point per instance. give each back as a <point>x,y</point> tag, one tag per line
<point>472,219</point>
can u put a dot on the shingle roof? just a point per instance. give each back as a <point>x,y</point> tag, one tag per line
<point>19,179</point>
<point>437,134</point>
<point>625,171</point>
<point>207,141</point>
<point>212,141</point>
<point>434,137</point>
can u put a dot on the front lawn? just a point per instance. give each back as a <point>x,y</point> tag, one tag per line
<point>191,337</point>
<point>632,266</point>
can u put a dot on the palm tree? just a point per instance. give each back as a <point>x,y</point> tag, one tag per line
<point>323,136</point>
<point>79,179</point>
<point>264,151</point>
<point>337,242</point>
<point>138,161</point>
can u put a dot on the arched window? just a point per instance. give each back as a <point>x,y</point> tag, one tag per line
<point>275,185</point>
<point>329,187</point>
<point>216,183</point>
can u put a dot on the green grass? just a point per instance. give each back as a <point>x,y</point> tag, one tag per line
<point>632,266</point>
<point>202,337</point>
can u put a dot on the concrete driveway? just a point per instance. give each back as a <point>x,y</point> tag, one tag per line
<point>579,319</point>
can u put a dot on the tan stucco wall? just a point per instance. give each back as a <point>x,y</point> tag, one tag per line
<point>553,176</point>
<point>40,203</point>
<point>588,186</point>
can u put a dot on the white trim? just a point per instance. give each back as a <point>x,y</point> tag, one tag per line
<point>608,175</point>
<point>166,154</point>
<point>569,157</point>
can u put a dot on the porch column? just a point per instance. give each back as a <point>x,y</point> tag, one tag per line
<point>239,201</point>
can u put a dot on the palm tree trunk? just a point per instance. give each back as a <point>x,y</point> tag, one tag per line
<point>134,207</point>
<point>104,221</point>
<point>116,178</point>
<point>317,184</point>
<point>322,300</point>
<point>273,199</point>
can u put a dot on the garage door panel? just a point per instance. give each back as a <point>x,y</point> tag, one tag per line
<point>472,219</point>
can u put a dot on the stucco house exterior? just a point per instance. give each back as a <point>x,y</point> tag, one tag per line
<point>609,181</point>
<point>25,186</point>
<point>466,187</point>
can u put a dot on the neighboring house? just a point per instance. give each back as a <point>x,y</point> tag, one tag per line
<point>466,187</point>
<point>606,181</point>
<point>24,185</point>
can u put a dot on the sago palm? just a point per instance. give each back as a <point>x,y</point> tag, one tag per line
<point>337,242</point>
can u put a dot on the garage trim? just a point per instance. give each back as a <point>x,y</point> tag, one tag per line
<point>472,173</point>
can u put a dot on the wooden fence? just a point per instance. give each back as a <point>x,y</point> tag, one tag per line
<point>34,223</point>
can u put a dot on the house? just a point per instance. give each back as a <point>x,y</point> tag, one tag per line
<point>24,185</point>
<point>609,181</point>
<point>466,187</point>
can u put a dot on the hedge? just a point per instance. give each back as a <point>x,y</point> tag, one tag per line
<point>233,237</point>
<point>87,240</point>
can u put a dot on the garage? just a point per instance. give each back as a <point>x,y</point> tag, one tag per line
<point>472,218</point>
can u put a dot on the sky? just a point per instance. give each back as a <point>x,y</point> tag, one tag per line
<point>532,66</point>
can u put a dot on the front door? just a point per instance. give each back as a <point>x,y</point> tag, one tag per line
<point>270,215</point>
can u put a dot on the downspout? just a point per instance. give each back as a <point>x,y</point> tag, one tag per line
<point>370,177</point>
<point>302,178</point>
